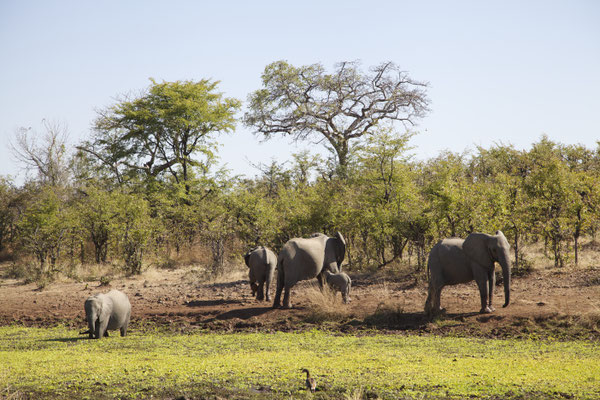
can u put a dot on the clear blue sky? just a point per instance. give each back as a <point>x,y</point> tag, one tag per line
<point>500,71</point>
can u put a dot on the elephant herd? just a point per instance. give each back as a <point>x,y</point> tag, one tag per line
<point>451,261</point>
<point>318,256</point>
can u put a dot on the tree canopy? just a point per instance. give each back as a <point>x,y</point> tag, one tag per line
<point>163,130</point>
<point>337,108</point>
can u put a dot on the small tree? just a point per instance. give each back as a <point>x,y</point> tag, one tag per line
<point>44,153</point>
<point>41,231</point>
<point>134,227</point>
<point>97,210</point>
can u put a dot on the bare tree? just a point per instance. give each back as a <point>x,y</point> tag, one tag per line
<point>337,108</point>
<point>45,153</point>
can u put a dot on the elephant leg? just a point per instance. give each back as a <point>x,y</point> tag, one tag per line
<point>286,297</point>
<point>261,291</point>
<point>321,281</point>
<point>437,298</point>
<point>277,301</point>
<point>481,277</point>
<point>492,284</point>
<point>432,304</point>
<point>124,329</point>
<point>102,329</point>
<point>345,297</point>
<point>267,286</point>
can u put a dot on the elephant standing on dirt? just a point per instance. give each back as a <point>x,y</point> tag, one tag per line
<point>106,312</point>
<point>453,261</point>
<point>261,263</point>
<point>301,259</point>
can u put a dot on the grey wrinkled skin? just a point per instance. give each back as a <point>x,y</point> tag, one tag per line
<point>261,264</point>
<point>340,282</point>
<point>306,258</point>
<point>454,261</point>
<point>106,312</point>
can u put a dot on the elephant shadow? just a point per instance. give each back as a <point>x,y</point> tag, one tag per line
<point>411,321</point>
<point>244,313</point>
<point>67,340</point>
<point>225,285</point>
<point>209,303</point>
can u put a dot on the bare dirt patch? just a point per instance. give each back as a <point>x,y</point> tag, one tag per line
<point>558,303</point>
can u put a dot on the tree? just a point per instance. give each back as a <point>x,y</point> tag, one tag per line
<point>162,130</point>
<point>135,230</point>
<point>338,108</point>
<point>385,192</point>
<point>46,153</point>
<point>96,213</point>
<point>42,229</point>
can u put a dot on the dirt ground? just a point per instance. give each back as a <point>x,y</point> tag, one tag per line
<point>559,303</point>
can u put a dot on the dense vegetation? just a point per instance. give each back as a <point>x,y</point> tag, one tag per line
<point>146,187</point>
<point>263,365</point>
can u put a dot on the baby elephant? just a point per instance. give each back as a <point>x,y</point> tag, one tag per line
<point>106,312</point>
<point>340,282</point>
<point>262,262</point>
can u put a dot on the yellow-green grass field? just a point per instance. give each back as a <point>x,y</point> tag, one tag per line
<point>59,363</point>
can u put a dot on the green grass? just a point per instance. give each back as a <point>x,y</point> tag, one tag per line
<point>58,363</point>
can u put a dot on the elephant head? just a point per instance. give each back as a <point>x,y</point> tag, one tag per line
<point>487,249</point>
<point>336,246</point>
<point>335,251</point>
<point>247,258</point>
<point>340,244</point>
<point>95,310</point>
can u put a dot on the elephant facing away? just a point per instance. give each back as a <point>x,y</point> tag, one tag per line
<point>340,282</point>
<point>306,258</point>
<point>106,312</point>
<point>261,263</point>
<point>454,261</point>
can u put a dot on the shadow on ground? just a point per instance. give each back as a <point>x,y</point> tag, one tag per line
<point>244,313</point>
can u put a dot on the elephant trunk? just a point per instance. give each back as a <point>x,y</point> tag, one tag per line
<point>91,314</point>
<point>92,322</point>
<point>504,262</point>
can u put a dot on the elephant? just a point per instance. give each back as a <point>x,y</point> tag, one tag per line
<point>453,261</point>
<point>306,258</point>
<point>340,282</point>
<point>261,263</point>
<point>106,312</point>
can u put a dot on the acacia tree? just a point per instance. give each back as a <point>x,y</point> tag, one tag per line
<point>162,130</point>
<point>338,108</point>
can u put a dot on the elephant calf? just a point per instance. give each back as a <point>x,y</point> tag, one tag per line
<point>340,282</point>
<point>261,263</point>
<point>106,312</point>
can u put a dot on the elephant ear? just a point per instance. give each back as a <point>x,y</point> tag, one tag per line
<point>340,249</point>
<point>476,248</point>
<point>247,258</point>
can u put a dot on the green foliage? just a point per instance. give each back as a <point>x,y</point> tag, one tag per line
<point>145,188</point>
<point>42,229</point>
<point>339,108</point>
<point>237,365</point>
<point>162,131</point>
<point>134,230</point>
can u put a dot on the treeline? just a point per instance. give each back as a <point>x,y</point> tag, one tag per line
<point>145,188</point>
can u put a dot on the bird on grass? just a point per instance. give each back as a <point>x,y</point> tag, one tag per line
<point>311,384</point>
